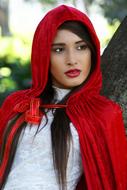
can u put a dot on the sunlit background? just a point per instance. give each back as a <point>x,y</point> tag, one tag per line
<point>18,21</point>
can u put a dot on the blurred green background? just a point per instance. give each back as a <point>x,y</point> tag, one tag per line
<point>16,33</point>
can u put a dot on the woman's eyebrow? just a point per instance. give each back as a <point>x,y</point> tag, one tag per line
<point>63,44</point>
<point>81,41</point>
<point>58,44</point>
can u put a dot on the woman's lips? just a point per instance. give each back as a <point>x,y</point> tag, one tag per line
<point>73,73</point>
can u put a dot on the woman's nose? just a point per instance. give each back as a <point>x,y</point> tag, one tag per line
<point>71,58</point>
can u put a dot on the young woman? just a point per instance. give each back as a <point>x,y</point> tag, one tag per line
<point>61,133</point>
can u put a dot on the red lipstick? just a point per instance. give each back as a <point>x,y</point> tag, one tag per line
<point>73,73</point>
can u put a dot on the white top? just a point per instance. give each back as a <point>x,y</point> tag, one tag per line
<point>33,164</point>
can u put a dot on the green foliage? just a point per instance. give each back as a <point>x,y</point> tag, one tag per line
<point>15,47</point>
<point>14,66</point>
<point>111,28</point>
<point>13,76</point>
<point>48,1</point>
<point>45,1</point>
<point>114,9</point>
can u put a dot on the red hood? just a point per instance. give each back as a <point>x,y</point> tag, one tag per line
<point>40,56</point>
<point>42,41</point>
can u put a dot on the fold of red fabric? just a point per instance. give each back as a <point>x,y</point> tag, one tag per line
<point>102,143</point>
<point>98,120</point>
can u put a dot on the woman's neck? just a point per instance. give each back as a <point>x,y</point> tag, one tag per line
<point>60,93</point>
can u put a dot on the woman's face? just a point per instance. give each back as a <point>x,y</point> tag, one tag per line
<point>70,60</point>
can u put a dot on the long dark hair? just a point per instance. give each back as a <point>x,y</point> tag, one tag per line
<point>60,131</point>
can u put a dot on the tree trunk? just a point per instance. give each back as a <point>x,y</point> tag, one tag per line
<point>114,68</point>
<point>4,14</point>
<point>74,2</point>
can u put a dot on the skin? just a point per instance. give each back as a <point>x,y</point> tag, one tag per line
<point>69,51</point>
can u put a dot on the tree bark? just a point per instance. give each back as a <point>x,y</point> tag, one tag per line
<point>114,68</point>
<point>4,14</point>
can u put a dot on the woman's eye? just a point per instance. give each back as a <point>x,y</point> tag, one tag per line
<point>82,47</point>
<point>58,50</point>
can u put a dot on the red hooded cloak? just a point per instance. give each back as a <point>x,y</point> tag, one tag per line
<point>98,120</point>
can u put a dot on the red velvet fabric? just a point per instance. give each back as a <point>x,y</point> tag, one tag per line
<point>98,120</point>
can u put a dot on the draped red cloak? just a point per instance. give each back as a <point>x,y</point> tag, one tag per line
<point>97,119</point>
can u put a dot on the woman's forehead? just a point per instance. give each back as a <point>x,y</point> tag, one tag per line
<point>65,36</point>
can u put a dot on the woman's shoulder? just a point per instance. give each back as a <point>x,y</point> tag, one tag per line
<point>7,111</point>
<point>7,108</point>
<point>8,101</point>
<point>12,99</point>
